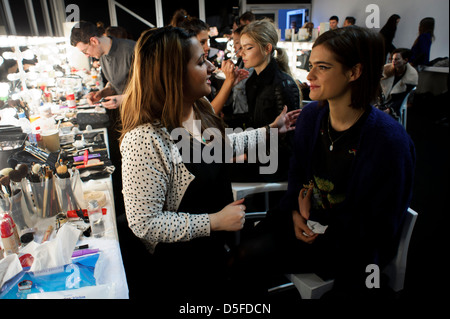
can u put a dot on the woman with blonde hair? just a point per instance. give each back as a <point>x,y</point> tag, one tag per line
<point>268,89</point>
<point>180,206</point>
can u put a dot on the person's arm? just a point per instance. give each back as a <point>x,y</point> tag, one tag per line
<point>146,181</point>
<point>233,76</point>
<point>287,93</point>
<point>243,141</point>
<point>146,175</point>
<point>94,97</point>
<point>112,102</point>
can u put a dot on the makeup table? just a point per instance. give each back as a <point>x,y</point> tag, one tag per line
<point>110,278</point>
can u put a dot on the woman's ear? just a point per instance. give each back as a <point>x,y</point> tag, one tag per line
<point>355,72</point>
<point>268,49</point>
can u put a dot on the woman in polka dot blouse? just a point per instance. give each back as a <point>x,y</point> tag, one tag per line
<point>178,200</point>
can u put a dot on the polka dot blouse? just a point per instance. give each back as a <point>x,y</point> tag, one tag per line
<point>155,180</point>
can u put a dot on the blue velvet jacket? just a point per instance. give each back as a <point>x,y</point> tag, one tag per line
<point>365,228</point>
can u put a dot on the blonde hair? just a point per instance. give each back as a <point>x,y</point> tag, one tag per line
<point>154,93</point>
<point>263,32</point>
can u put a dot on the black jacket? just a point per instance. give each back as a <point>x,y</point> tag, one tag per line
<point>267,94</point>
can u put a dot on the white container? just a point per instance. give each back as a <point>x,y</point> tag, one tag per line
<point>96,219</point>
<point>24,123</point>
<point>27,128</point>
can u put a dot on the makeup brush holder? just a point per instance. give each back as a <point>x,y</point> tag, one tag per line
<point>43,197</point>
<point>70,192</point>
<point>50,205</point>
<point>18,209</point>
<point>33,195</point>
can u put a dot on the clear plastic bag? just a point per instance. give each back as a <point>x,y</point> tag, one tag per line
<point>78,274</point>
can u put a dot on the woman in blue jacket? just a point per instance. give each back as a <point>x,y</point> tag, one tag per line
<point>422,46</point>
<point>351,170</point>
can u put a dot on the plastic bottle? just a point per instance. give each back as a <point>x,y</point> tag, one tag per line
<point>96,218</point>
<point>37,134</point>
<point>45,121</point>
<point>71,103</point>
<point>7,216</point>
<point>9,243</point>
<point>25,124</point>
<point>9,117</point>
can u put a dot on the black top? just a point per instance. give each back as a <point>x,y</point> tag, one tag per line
<point>210,191</point>
<point>331,169</point>
<point>267,94</point>
<point>203,260</point>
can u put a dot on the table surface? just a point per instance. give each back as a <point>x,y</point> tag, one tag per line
<point>111,271</point>
<point>240,190</point>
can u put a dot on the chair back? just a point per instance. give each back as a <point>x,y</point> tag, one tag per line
<point>404,109</point>
<point>396,269</point>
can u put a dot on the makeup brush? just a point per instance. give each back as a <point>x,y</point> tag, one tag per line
<point>55,205</point>
<point>36,187</point>
<point>47,181</point>
<point>69,198</point>
<point>62,173</point>
<point>18,178</point>
<point>16,194</point>
<point>4,181</point>
<point>34,176</point>
<point>61,170</point>
<point>5,171</point>
<point>23,169</point>
<point>5,204</point>
<point>15,177</point>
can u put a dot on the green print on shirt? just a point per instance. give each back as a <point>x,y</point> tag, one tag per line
<point>323,194</point>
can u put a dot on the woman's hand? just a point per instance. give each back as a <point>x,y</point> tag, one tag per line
<point>230,218</point>
<point>285,122</point>
<point>241,75</point>
<point>112,102</point>
<point>302,231</point>
<point>232,73</point>
<point>229,69</point>
<point>94,97</point>
<point>304,202</point>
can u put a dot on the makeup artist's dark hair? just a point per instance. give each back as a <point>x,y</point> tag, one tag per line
<point>83,31</point>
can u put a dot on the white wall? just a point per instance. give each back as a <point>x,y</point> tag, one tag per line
<point>410,11</point>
